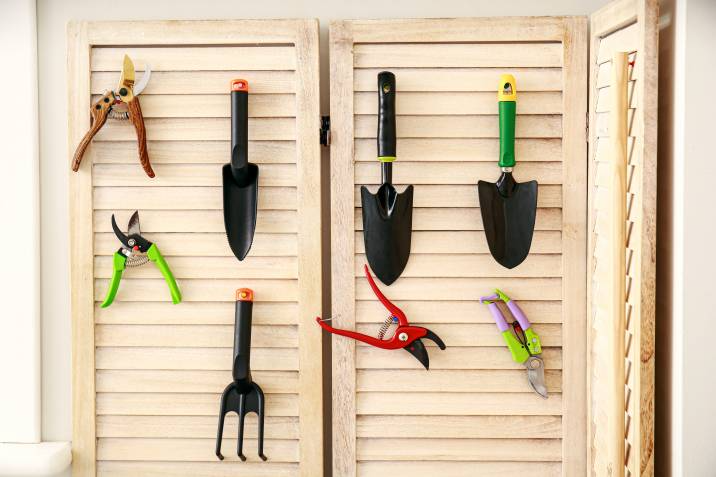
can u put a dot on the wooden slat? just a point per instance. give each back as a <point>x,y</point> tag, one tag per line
<point>204,58</point>
<point>211,267</point>
<point>457,194</point>
<point>468,311</point>
<point>190,450</point>
<point>463,150</point>
<point>465,219</point>
<point>198,152</point>
<point>472,265</point>
<point>543,55</point>
<point>202,336</point>
<point>215,313</point>
<point>468,427</point>
<point>455,358</point>
<point>458,404</point>
<point>211,359</point>
<point>432,173</point>
<point>147,289</point>
<point>530,450</point>
<point>195,469</point>
<point>458,79</point>
<point>192,426</point>
<point>181,404</point>
<point>461,335</point>
<point>464,288</point>
<point>461,242</point>
<point>185,381</point>
<point>456,103</point>
<point>272,255</point>
<point>458,381</point>
<point>200,82</point>
<point>219,106</point>
<point>199,129</point>
<point>422,468</point>
<point>186,175</point>
<point>200,197</point>
<point>195,221</point>
<point>486,126</point>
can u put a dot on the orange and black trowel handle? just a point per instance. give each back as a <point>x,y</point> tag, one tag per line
<point>240,131</point>
<point>241,369</point>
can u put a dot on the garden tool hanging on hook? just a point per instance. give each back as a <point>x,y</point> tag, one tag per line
<point>242,395</point>
<point>524,344</point>
<point>134,252</point>
<point>123,104</point>
<point>406,336</point>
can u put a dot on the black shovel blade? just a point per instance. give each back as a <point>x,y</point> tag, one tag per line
<point>240,202</point>
<point>509,221</point>
<point>387,226</point>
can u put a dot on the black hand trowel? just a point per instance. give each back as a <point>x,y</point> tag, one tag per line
<point>508,208</point>
<point>387,215</point>
<point>240,177</point>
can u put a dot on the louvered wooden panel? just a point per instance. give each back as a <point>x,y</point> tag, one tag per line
<point>473,412</point>
<point>624,26</point>
<point>148,374</point>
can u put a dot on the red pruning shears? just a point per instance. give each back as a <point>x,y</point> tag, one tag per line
<point>406,336</point>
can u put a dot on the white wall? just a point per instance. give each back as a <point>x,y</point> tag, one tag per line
<point>696,165</point>
<point>52,18</point>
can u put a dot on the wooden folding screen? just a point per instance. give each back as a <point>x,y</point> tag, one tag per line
<point>625,26</point>
<point>473,412</point>
<point>148,374</point>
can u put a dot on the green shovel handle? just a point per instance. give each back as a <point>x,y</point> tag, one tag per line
<point>118,265</point>
<point>507,97</point>
<point>156,256</point>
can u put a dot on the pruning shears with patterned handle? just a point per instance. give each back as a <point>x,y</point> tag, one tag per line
<point>134,252</point>
<point>406,336</point>
<point>523,342</point>
<point>121,103</point>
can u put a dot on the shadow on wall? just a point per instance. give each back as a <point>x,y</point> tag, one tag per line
<point>664,245</point>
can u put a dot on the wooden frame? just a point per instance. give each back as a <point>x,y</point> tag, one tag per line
<point>303,36</point>
<point>629,26</point>
<point>571,33</point>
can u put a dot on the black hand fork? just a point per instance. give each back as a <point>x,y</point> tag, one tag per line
<point>242,396</point>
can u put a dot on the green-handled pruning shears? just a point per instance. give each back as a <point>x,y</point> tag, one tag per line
<point>524,343</point>
<point>136,251</point>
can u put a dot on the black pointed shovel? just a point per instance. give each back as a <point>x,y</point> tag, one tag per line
<point>240,177</point>
<point>387,215</point>
<point>508,208</point>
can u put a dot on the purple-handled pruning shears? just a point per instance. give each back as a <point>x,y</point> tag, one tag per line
<point>524,343</point>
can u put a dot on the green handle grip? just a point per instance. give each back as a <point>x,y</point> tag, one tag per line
<point>156,256</point>
<point>118,265</point>
<point>508,113</point>
<point>518,351</point>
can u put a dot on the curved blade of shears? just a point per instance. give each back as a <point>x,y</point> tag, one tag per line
<point>434,338</point>
<point>142,83</point>
<point>417,349</point>
<point>535,375</point>
<point>133,225</point>
<point>120,235</point>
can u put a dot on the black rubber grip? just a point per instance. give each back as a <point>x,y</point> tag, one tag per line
<point>241,369</point>
<point>386,114</point>
<point>239,130</point>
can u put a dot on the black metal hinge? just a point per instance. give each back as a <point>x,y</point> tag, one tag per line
<point>325,131</point>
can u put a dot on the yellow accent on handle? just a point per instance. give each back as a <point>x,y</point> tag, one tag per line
<point>507,90</point>
<point>386,158</point>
